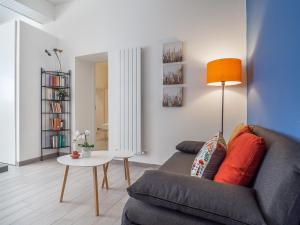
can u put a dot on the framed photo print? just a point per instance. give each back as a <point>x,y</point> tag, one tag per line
<point>172,96</point>
<point>172,52</point>
<point>172,74</point>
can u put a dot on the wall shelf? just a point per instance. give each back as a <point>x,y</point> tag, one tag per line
<point>55,87</point>
<point>51,130</point>
<point>49,148</point>
<point>55,111</point>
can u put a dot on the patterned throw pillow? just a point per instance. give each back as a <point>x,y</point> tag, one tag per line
<point>209,158</point>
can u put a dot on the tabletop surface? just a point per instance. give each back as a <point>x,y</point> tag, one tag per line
<point>122,154</point>
<point>97,158</point>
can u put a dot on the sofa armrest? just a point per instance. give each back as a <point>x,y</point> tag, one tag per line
<point>221,203</point>
<point>190,147</point>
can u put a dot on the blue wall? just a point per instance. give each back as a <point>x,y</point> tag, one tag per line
<point>274,65</point>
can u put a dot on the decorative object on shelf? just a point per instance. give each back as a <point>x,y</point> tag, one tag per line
<point>55,111</point>
<point>86,148</point>
<point>172,96</point>
<point>172,74</point>
<point>172,52</point>
<point>62,93</point>
<point>55,51</point>
<point>224,72</point>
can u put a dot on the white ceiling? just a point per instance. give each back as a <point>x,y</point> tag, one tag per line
<point>7,14</point>
<point>57,2</point>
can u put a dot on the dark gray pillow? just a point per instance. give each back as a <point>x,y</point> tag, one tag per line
<point>221,203</point>
<point>191,147</point>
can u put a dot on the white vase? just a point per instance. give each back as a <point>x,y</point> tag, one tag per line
<point>86,152</point>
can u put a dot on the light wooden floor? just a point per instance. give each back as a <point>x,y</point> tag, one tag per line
<point>29,195</point>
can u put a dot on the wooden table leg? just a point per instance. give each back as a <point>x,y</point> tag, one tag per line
<point>96,190</point>
<point>64,184</point>
<point>127,171</point>
<point>105,179</point>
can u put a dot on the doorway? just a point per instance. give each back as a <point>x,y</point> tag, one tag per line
<point>91,101</point>
<point>101,105</point>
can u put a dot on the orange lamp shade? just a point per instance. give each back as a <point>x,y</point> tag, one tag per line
<point>227,70</point>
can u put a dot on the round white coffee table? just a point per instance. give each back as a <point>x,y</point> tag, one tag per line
<point>123,155</point>
<point>97,158</point>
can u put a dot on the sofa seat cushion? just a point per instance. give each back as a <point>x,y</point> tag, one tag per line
<point>179,163</point>
<point>137,212</point>
<point>221,203</point>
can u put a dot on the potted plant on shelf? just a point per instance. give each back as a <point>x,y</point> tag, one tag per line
<point>86,148</point>
<point>62,93</point>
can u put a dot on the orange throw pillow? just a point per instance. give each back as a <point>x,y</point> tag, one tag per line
<point>246,153</point>
<point>242,129</point>
<point>239,128</point>
<point>236,130</point>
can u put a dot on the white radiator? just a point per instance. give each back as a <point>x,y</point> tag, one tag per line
<point>128,100</point>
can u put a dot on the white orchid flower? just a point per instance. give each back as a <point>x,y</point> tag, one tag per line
<point>87,132</point>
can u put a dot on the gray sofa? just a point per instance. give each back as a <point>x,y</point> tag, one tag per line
<point>170,196</point>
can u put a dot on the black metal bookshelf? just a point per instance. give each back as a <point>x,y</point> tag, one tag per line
<point>56,112</point>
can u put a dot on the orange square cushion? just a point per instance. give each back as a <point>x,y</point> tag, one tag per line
<point>245,155</point>
<point>243,129</point>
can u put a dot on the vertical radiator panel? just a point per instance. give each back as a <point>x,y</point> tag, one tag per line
<point>134,100</point>
<point>129,100</point>
<point>126,131</point>
<point>138,101</point>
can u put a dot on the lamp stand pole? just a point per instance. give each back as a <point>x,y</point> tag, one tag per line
<point>222,126</point>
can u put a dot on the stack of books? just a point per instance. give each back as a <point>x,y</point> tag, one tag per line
<point>55,107</point>
<point>57,124</point>
<point>57,141</point>
<point>57,81</point>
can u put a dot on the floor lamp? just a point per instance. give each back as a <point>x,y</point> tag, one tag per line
<point>224,72</point>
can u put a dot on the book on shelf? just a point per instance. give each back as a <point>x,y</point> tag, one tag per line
<point>55,107</point>
<point>57,141</point>
<point>57,81</point>
<point>57,124</point>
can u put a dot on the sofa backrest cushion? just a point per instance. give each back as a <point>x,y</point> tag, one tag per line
<point>190,147</point>
<point>277,183</point>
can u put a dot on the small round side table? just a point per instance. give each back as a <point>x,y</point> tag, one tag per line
<point>123,155</point>
<point>97,158</point>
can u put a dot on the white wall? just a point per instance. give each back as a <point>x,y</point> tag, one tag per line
<point>85,97</point>
<point>32,44</point>
<point>7,93</point>
<point>209,29</point>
